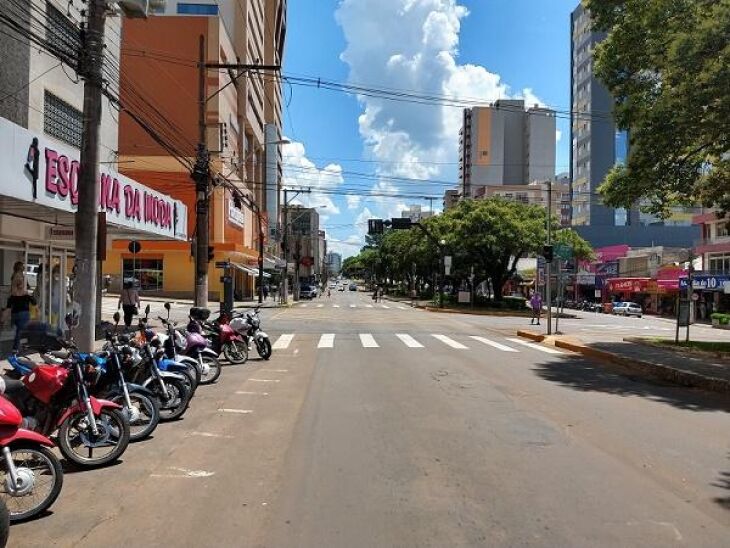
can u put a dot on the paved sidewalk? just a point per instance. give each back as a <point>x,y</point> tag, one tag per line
<point>699,371</point>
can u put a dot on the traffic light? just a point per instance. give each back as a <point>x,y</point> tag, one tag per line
<point>400,223</point>
<point>211,253</point>
<point>375,226</point>
<point>547,252</point>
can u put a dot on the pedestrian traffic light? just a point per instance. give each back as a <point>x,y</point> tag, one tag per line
<point>400,223</point>
<point>211,253</point>
<point>375,226</point>
<point>547,252</point>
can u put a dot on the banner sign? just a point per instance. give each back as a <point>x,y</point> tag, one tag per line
<point>235,214</point>
<point>43,171</point>
<point>706,282</point>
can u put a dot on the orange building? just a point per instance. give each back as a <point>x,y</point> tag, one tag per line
<point>159,79</point>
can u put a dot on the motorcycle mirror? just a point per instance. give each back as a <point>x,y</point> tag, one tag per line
<point>72,320</point>
<point>167,306</point>
<point>147,310</point>
<point>116,318</point>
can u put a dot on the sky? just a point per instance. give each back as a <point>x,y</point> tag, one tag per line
<point>374,148</point>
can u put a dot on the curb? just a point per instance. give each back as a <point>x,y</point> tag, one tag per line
<point>680,350</point>
<point>537,337</point>
<point>676,376</point>
<point>472,312</point>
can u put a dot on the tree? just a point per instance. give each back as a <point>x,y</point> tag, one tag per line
<point>582,250</point>
<point>667,65</point>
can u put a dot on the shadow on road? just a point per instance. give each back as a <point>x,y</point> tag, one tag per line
<point>582,374</point>
<point>724,483</point>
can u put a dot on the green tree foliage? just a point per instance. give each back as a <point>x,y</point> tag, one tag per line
<point>582,250</point>
<point>489,236</point>
<point>667,64</point>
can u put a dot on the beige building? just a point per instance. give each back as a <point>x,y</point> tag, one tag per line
<point>534,194</point>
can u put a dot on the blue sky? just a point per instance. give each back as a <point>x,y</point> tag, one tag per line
<point>500,48</point>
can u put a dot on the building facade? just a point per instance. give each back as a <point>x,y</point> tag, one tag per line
<point>597,145</point>
<point>334,263</point>
<point>535,194</point>
<point>505,144</point>
<point>415,213</point>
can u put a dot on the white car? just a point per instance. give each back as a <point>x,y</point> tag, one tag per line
<point>628,309</point>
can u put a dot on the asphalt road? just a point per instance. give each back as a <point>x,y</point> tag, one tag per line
<point>379,425</point>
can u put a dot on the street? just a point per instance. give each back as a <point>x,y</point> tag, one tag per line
<point>375,424</point>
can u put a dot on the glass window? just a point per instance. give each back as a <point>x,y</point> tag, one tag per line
<point>61,33</point>
<point>197,9</point>
<point>147,272</point>
<point>621,147</point>
<point>61,120</point>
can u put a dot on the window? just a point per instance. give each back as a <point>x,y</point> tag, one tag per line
<point>148,272</point>
<point>621,147</point>
<point>721,230</point>
<point>61,33</point>
<point>197,9</point>
<point>61,120</point>
<point>719,264</point>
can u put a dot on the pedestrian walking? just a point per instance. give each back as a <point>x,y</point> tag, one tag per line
<point>19,308</point>
<point>266,292</point>
<point>129,303</point>
<point>536,304</point>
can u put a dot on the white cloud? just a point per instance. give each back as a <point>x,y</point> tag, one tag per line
<point>416,49</point>
<point>300,171</point>
<point>353,201</point>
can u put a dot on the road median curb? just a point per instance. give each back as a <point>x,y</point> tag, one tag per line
<point>537,337</point>
<point>664,372</point>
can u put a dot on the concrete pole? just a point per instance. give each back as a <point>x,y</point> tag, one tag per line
<point>285,249</point>
<point>86,221</point>
<point>200,175</point>
<point>548,266</point>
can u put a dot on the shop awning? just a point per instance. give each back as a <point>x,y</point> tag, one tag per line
<point>248,270</point>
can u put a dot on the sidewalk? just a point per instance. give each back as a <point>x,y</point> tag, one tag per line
<point>213,305</point>
<point>683,369</point>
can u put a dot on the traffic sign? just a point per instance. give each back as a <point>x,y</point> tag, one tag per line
<point>564,251</point>
<point>134,247</point>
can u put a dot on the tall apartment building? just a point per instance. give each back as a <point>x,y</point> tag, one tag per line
<point>416,213</point>
<point>333,260</point>
<point>596,146</point>
<point>505,144</point>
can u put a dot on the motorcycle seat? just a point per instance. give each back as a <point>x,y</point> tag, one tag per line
<point>60,354</point>
<point>14,387</point>
<point>26,362</point>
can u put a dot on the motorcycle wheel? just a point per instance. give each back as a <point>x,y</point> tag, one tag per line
<point>4,525</point>
<point>174,407</point>
<point>42,476</point>
<point>264,349</point>
<point>236,352</point>
<point>214,370</point>
<point>145,416</point>
<point>77,443</point>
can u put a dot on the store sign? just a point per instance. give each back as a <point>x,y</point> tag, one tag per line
<point>628,285</point>
<point>607,270</point>
<point>585,278</point>
<point>46,172</point>
<point>61,233</point>
<point>235,214</point>
<point>706,282</point>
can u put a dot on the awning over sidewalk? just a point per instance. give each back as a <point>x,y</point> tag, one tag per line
<point>248,270</point>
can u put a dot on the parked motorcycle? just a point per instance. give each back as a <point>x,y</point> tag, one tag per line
<point>91,432</point>
<point>31,476</point>
<point>224,338</point>
<point>196,346</point>
<point>249,325</point>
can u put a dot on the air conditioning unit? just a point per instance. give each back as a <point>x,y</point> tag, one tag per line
<point>141,8</point>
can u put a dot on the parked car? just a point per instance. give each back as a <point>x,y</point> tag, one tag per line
<point>628,309</point>
<point>307,292</point>
<point>353,287</point>
<point>341,288</point>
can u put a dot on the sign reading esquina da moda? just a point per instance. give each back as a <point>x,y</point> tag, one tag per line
<point>42,171</point>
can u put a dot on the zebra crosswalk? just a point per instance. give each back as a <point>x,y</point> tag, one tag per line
<point>353,305</point>
<point>369,340</point>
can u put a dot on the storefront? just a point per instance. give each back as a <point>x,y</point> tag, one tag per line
<point>38,197</point>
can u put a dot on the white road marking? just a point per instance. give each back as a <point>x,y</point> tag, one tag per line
<point>327,340</point>
<point>296,351</point>
<point>276,370</point>
<point>534,346</point>
<point>335,306</point>
<point>238,411</point>
<point>353,306</point>
<point>210,435</point>
<point>320,306</point>
<point>244,392</point>
<point>368,306</point>
<point>265,380</point>
<point>303,305</point>
<point>402,308</point>
<point>496,345</point>
<point>282,343</point>
<point>184,473</point>
<point>368,341</point>
<point>384,306</point>
<point>409,341</point>
<point>448,341</point>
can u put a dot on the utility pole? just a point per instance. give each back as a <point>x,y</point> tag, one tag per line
<point>86,221</point>
<point>285,245</point>
<point>261,255</point>
<point>202,183</point>
<point>548,265</point>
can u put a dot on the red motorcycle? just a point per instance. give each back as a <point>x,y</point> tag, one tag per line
<point>91,432</point>
<point>31,476</point>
